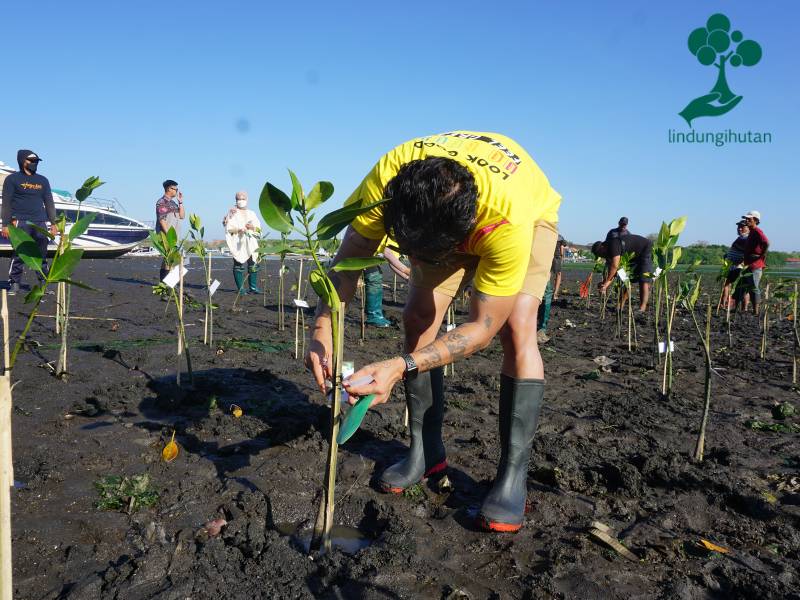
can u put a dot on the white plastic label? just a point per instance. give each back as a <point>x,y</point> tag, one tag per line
<point>213,287</point>
<point>623,276</point>
<point>451,326</point>
<point>662,347</point>
<point>303,304</point>
<point>348,368</point>
<point>657,272</point>
<point>173,276</point>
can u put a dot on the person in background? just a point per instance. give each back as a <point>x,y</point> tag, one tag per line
<point>27,204</point>
<point>373,285</point>
<point>735,255</point>
<point>169,213</point>
<point>555,269</point>
<point>242,231</point>
<point>642,262</point>
<point>618,232</point>
<point>755,258</point>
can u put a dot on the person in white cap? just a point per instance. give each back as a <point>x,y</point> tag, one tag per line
<point>242,230</point>
<point>755,257</point>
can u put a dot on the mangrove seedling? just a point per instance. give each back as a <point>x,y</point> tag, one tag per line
<point>197,246</point>
<point>295,213</point>
<point>690,292</point>
<point>666,255</point>
<point>64,291</point>
<point>171,249</point>
<point>281,248</point>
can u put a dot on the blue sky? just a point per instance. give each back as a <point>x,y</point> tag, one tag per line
<point>224,97</point>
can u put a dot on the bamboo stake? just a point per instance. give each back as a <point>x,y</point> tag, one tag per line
<point>297,312</point>
<point>61,367</point>
<point>59,300</point>
<point>796,344</point>
<point>210,306</point>
<point>179,303</point>
<point>362,285</point>
<point>327,504</point>
<point>394,289</point>
<point>6,464</point>
<point>765,324</point>
<point>701,438</point>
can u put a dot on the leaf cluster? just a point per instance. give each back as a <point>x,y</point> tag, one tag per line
<point>716,38</point>
<point>130,493</point>
<point>666,252</point>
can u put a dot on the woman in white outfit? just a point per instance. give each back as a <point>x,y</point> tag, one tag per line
<point>242,230</point>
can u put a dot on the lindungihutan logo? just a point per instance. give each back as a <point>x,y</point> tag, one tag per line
<point>716,45</point>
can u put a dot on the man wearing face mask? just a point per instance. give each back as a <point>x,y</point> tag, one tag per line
<point>242,230</point>
<point>27,201</point>
<point>169,214</point>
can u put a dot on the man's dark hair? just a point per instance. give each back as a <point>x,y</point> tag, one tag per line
<point>169,183</point>
<point>432,206</point>
<point>596,249</point>
<point>623,222</point>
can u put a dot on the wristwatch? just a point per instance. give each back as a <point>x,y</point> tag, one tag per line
<point>412,370</point>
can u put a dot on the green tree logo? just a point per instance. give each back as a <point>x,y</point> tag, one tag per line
<point>715,44</point>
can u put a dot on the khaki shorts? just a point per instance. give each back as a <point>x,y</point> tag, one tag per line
<point>457,272</point>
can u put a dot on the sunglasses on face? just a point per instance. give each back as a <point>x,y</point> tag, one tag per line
<point>174,189</point>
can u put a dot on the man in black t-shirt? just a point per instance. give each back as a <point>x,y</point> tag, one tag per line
<point>27,202</point>
<point>641,264</point>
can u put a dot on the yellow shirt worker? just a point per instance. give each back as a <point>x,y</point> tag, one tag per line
<point>464,206</point>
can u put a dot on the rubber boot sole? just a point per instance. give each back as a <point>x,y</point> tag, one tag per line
<point>437,468</point>
<point>499,527</point>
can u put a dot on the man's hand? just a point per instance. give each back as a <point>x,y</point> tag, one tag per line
<point>384,374</point>
<point>249,226</point>
<point>320,350</point>
<point>53,230</point>
<point>603,286</point>
<point>5,231</point>
<point>180,197</point>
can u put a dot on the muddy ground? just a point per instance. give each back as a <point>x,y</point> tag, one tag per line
<point>609,448</point>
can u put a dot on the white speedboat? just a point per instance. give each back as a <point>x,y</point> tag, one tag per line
<point>111,234</point>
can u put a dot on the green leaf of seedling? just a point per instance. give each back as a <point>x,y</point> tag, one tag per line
<point>298,197</point>
<point>321,191</point>
<point>676,226</point>
<point>81,225</point>
<point>91,184</point>
<point>42,230</point>
<point>172,238</point>
<point>155,239</point>
<point>194,222</point>
<point>676,255</point>
<point>332,223</point>
<point>663,235</point>
<point>36,292</point>
<point>275,207</point>
<point>26,248</point>
<point>64,264</point>
<point>357,263</point>
<point>324,288</point>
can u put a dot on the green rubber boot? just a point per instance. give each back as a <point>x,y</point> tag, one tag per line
<point>253,280</point>
<point>238,278</point>
<point>425,402</point>
<point>544,308</point>
<point>520,404</point>
<point>373,299</point>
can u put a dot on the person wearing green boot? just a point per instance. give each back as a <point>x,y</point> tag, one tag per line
<point>373,298</point>
<point>242,230</point>
<point>465,207</point>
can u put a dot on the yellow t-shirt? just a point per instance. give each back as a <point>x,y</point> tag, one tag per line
<point>513,194</point>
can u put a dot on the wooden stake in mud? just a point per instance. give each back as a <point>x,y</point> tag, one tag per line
<point>297,312</point>
<point>363,289</point>
<point>180,318</point>
<point>6,463</point>
<point>394,289</point>
<point>59,301</point>
<point>765,324</point>
<point>701,438</point>
<point>796,345</point>
<point>324,524</point>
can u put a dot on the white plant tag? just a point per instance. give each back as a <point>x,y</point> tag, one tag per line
<point>213,287</point>
<point>662,347</point>
<point>623,276</point>
<point>303,304</point>
<point>173,276</point>
<point>657,272</point>
<point>450,326</point>
<point>348,368</point>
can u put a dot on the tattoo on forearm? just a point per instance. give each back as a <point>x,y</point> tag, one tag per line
<point>429,357</point>
<point>487,322</point>
<point>457,344</point>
